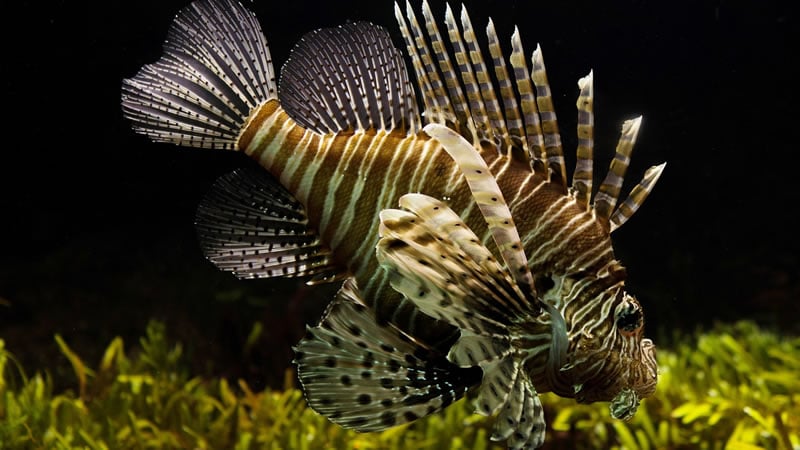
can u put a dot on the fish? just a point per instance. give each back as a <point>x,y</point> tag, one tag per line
<point>469,264</point>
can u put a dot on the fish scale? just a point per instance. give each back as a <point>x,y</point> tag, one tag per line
<point>495,275</point>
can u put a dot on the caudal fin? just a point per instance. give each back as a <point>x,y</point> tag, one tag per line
<point>215,69</point>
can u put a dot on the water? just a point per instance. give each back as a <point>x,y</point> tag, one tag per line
<point>96,222</point>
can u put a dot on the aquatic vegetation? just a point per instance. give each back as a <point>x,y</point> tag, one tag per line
<point>733,387</point>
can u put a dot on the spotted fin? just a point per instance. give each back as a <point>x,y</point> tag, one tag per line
<point>348,78</point>
<point>368,376</point>
<point>215,69</point>
<point>438,263</point>
<point>248,224</point>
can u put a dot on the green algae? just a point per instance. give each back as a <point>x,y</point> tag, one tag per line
<point>733,387</point>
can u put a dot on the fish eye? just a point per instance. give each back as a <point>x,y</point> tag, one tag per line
<point>629,317</point>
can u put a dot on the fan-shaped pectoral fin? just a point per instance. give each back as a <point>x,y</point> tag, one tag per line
<point>506,390</point>
<point>526,428</point>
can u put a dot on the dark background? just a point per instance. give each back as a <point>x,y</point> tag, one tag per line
<point>96,232</point>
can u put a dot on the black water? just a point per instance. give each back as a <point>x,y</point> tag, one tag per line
<point>96,229</point>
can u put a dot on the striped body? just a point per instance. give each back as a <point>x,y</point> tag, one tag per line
<point>494,275</point>
<point>345,180</point>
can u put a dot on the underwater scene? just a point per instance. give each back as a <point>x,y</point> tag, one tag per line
<point>413,225</point>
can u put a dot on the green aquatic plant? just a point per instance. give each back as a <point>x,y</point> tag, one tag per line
<point>733,387</point>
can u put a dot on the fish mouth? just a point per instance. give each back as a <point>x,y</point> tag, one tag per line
<point>626,402</point>
<point>623,388</point>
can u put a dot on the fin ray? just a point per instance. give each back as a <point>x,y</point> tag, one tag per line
<point>497,133</point>
<point>534,142</point>
<point>496,385</point>
<point>215,69</point>
<point>438,277</point>
<point>347,78</point>
<point>463,118</point>
<point>368,376</point>
<point>439,264</point>
<point>547,114</point>
<point>251,226</point>
<point>410,246</point>
<point>473,350</point>
<point>606,198</point>
<point>490,201</point>
<point>439,108</point>
<point>637,197</point>
<point>583,176</point>
<point>529,431</point>
<point>514,129</point>
<point>480,118</point>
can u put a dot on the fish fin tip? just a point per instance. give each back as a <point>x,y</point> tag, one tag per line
<point>636,197</point>
<point>439,265</point>
<point>605,200</point>
<point>209,44</point>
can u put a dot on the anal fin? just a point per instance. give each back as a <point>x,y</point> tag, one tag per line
<point>248,224</point>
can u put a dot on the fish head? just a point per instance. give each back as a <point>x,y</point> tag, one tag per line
<point>613,362</point>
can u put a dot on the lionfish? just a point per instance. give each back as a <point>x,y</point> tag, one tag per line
<point>494,277</point>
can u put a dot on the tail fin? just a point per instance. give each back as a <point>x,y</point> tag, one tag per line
<point>215,69</point>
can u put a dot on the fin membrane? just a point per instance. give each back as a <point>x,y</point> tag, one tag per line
<point>457,281</point>
<point>348,78</point>
<point>457,83</point>
<point>369,377</point>
<point>439,265</point>
<point>215,69</point>
<point>248,224</point>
